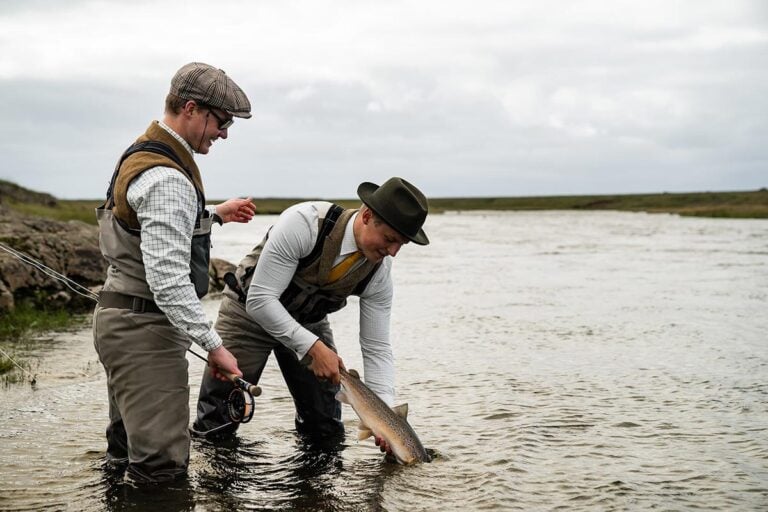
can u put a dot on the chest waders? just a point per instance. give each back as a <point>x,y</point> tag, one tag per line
<point>240,404</point>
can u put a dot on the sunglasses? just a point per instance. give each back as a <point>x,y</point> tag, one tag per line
<point>223,123</point>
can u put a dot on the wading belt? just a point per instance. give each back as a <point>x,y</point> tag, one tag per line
<point>122,301</point>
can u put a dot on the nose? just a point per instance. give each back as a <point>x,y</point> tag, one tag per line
<point>393,249</point>
<point>223,133</point>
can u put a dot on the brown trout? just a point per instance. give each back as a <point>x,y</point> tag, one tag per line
<point>376,418</point>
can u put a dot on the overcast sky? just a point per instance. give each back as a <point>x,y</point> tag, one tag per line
<point>463,98</point>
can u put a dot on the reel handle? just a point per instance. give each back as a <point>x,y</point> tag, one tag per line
<point>243,384</point>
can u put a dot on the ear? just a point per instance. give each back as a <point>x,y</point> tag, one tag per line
<point>366,214</point>
<point>190,107</point>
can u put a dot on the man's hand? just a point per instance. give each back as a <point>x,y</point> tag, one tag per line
<point>223,364</point>
<point>325,362</point>
<point>236,210</point>
<point>382,444</point>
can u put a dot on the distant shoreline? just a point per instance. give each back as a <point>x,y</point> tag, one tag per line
<point>745,204</point>
<point>739,204</point>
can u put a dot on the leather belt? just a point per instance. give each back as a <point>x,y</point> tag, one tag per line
<point>121,301</point>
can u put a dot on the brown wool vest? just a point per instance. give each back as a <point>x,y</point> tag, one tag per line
<point>140,162</point>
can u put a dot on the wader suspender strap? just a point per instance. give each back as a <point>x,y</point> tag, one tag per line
<point>334,212</point>
<point>360,288</point>
<point>328,224</point>
<point>150,146</point>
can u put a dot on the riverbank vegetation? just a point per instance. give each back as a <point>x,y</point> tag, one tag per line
<point>745,204</point>
<point>61,210</point>
<point>25,321</point>
<point>27,318</point>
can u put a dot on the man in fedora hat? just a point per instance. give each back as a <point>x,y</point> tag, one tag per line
<point>154,230</point>
<point>315,256</point>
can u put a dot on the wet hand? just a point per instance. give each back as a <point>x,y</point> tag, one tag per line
<point>325,362</point>
<point>223,364</point>
<point>236,210</point>
<point>383,446</point>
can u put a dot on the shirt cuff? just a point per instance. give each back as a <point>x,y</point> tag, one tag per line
<point>216,217</point>
<point>302,342</point>
<point>210,341</point>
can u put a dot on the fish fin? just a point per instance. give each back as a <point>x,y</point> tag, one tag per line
<point>342,397</point>
<point>401,410</point>
<point>354,373</point>
<point>364,432</point>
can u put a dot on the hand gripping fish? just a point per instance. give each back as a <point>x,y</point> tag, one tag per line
<point>376,418</point>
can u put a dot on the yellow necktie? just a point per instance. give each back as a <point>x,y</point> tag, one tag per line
<point>342,268</point>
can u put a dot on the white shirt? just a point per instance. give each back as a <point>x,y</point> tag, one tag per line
<point>291,238</point>
<point>165,202</point>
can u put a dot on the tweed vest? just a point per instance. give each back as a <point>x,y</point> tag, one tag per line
<point>119,229</point>
<point>309,297</point>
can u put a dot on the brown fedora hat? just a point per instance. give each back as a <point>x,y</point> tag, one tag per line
<point>399,204</point>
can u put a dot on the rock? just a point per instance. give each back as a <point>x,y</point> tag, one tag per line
<point>59,299</point>
<point>6,298</point>
<point>69,248</point>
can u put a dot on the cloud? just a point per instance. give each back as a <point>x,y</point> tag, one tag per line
<point>462,98</point>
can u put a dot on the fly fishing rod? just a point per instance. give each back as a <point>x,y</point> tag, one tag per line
<point>240,404</point>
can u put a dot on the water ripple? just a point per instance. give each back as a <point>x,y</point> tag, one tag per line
<point>618,362</point>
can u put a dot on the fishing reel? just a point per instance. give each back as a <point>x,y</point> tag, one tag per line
<point>240,405</point>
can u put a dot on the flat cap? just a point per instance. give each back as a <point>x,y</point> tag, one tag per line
<point>210,86</point>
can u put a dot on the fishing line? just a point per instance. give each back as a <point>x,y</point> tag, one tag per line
<point>72,285</point>
<point>240,404</point>
<point>34,377</point>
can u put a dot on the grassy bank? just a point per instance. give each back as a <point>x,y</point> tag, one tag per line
<point>749,204</point>
<point>63,210</point>
<point>26,320</point>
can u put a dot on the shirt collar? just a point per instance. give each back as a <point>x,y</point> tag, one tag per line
<point>177,137</point>
<point>348,244</point>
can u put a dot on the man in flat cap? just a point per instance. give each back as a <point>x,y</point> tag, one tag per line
<point>155,234</point>
<point>314,257</point>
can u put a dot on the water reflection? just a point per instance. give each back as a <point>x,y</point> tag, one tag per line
<point>313,475</point>
<point>121,495</point>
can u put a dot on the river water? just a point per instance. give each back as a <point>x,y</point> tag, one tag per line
<point>551,360</point>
